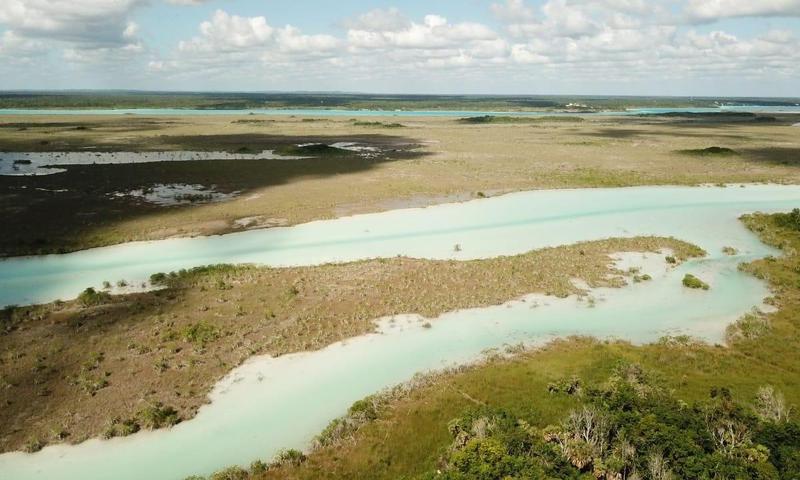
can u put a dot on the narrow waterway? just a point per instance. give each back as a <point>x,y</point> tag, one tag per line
<point>273,403</point>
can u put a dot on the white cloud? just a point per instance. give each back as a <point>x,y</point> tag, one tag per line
<point>513,11</point>
<point>89,22</point>
<point>618,40</point>
<point>186,2</point>
<point>434,32</point>
<point>131,30</point>
<point>558,41</point>
<point>289,39</point>
<point>235,34</point>
<point>565,19</point>
<point>378,20</point>
<point>83,32</point>
<point>14,47</point>
<point>230,32</point>
<point>525,54</point>
<point>711,10</point>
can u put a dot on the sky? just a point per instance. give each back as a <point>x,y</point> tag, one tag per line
<point>590,47</point>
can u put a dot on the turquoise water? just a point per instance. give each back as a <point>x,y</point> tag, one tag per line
<point>324,112</point>
<point>273,403</point>
<point>508,224</point>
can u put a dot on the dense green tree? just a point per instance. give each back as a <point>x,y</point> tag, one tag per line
<point>629,428</point>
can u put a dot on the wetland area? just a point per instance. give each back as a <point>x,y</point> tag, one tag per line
<point>302,294</point>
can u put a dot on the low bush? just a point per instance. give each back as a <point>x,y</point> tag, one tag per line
<point>34,445</point>
<point>690,281</point>
<point>201,333</point>
<point>157,416</point>
<point>749,327</point>
<point>358,415</point>
<point>789,220</point>
<point>232,473</point>
<point>91,297</point>
<point>290,457</point>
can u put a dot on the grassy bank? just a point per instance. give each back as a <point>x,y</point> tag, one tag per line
<point>428,161</point>
<point>106,365</point>
<point>410,434</point>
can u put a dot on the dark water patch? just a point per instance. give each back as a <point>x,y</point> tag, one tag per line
<point>37,220</point>
<point>495,119</point>
<point>709,152</point>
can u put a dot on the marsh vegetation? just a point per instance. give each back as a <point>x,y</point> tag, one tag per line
<point>170,346</point>
<point>433,160</point>
<point>583,408</point>
<point>690,281</point>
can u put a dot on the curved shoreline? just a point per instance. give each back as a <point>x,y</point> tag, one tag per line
<point>549,218</point>
<point>292,380</point>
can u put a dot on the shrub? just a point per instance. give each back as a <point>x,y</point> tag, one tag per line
<point>570,386</point>
<point>690,281</point>
<point>750,326</point>
<point>158,279</point>
<point>258,467</point>
<point>91,297</point>
<point>90,384</point>
<point>200,333</point>
<point>290,457</point>
<point>789,220</point>
<point>770,405</point>
<point>359,414</point>
<point>94,361</point>
<point>230,473</point>
<point>157,416</point>
<point>34,445</point>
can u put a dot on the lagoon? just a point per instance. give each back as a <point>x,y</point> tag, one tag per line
<point>272,403</point>
<point>503,225</point>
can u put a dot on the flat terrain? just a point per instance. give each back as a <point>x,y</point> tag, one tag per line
<point>108,365</point>
<point>69,371</point>
<point>408,433</point>
<point>423,161</point>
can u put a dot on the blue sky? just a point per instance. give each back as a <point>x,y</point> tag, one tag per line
<point>669,47</point>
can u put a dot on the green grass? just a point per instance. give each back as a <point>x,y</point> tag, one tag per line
<point>690,281</point>
<point>410,436</point>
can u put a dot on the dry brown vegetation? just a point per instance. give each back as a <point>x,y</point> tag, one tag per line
<point>439,159</point>
<point>73,370</point>
<point>409,433</point>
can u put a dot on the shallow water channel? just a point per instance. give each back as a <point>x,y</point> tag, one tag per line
<point>272,403</point>
<point>47,163</point>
